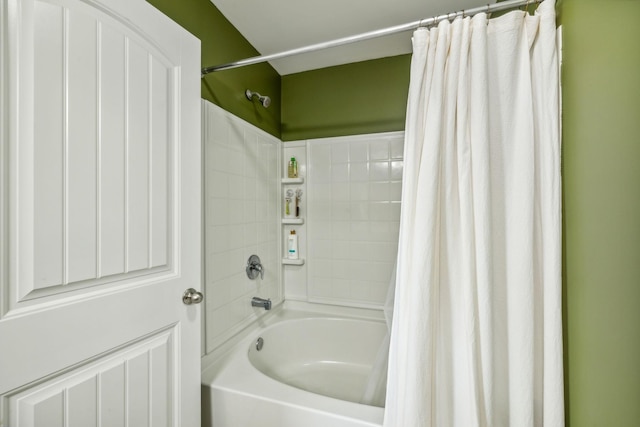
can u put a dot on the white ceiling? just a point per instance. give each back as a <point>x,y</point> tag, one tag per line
<point>273,26</point>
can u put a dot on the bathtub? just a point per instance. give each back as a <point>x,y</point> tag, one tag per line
<point>311,371</point>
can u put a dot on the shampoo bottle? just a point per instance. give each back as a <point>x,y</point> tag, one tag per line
<point>292,170</point>
<point>292,245</point>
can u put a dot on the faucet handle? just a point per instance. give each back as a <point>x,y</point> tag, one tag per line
<point>254,266</point>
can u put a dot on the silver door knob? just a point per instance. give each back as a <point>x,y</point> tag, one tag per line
<point>191,296</point>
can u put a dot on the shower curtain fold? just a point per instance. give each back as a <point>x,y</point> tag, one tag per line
<point>477,337</point>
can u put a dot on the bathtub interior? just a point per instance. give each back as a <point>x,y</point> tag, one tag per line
<point>236,392</point>
<point>331,356</point>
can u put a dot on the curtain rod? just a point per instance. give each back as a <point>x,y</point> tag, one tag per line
<point>489,8</point>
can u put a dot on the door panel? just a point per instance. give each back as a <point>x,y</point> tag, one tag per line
<point>93,392</point>
<point>48,138</point>
<point>99,215</point>
<point>102,202</point>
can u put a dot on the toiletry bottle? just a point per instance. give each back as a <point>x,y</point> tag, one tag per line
<point>292,170</point>
<point>292,245</point>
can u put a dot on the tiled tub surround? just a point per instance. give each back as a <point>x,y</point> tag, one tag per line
<point>242,217</point>
<point>350,207</point>
<point>354,189</point>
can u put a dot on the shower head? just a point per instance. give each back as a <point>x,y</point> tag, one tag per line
<point>264,100</point>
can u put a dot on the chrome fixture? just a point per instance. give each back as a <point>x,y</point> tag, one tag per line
<point>254,267</point>
<point>259,343</point>
<point>191,296</point>
<point>426,22</point>
<point>259,302</point>
<point>264,100</point>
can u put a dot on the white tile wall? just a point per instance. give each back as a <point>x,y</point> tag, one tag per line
<point>242,217</point>
<point>354,190</point>
<point>350,204</point>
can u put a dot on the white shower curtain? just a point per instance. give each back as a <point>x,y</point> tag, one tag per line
<point>477,333</point>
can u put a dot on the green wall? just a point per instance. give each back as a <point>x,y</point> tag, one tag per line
<point>222,43</point>
<point>362,97</point>
<point>601,139</point>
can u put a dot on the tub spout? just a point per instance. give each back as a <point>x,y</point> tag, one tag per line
<point>259,302</point>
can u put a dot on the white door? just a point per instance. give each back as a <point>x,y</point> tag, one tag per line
<point>99,215</point>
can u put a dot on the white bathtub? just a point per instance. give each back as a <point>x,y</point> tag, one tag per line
<point>311,372</point>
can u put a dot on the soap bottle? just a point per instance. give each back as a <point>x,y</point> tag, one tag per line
<point>292,245</point>
<point>292,170</point>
